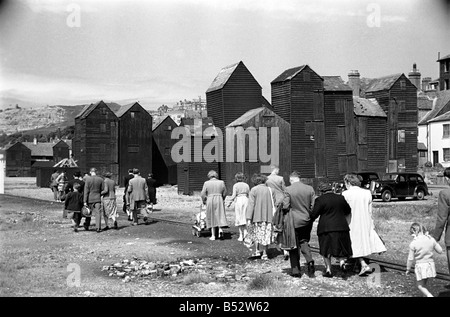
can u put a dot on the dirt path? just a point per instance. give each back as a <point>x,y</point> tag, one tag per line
<point>40,252</point>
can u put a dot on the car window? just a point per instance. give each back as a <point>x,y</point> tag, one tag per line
<point>373,177</point>
<point>420,179</point>
<point>401,178</point>
<point>389,177</point>
<point>413,178</point>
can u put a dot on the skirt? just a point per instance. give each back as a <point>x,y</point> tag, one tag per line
<point>240,206</point>
<point>425,270</point>
<point>336,244</point>
<point>260,232</point>
<point>110,208</point>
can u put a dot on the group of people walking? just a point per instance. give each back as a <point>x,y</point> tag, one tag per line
<point>95,196</point>
<point>273,213</point>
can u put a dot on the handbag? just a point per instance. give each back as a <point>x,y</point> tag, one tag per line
<point>86,212</point>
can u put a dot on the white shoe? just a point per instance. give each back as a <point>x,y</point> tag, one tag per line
<point>240,239</point>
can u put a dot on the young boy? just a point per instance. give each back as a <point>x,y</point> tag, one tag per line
<point>74,203</point>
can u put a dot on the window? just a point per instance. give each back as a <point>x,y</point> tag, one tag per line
<point>402,85</point>
<point>446,66</point>
<point>132,115</point>
<point>102,127</point>
<point>446,84</point>
<point>169,128</point>
<point>401,178</point>
<point>401,136</point>
<point>103,111</point>
<point>306,76</point>
<point>420,179</point>
<point>167,151</point>
<point>423,154</point>
<point>413,178</point>
<point>446,128</point>
<point>446,154</point>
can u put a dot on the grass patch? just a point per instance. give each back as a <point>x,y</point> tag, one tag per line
<point>195,278</point>
<point>261,282</point>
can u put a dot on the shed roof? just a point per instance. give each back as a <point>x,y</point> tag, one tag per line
<point>424,102</point>
<point>124,109</point>
<point>43,164</point>
<point>89,108</point>
<point>10,145</point>
<point>40,149</point>
<point>162,120</point>
<point>381,83</point>
<point>444,58</point>
<point>442,100</point>
<point>367,107</point>
<point>223,76</point>
<point>335,83</point>
<point>246,116</point>
<point>421,146</point>
<point>443,117</point>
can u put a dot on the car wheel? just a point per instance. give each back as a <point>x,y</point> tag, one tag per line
<point>386,195</point>
<point>420,194</point>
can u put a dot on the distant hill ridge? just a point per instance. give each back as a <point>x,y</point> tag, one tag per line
<point>41,120</point>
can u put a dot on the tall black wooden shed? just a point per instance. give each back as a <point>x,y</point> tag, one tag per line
<point>371,139</point>
<point>163,166</point>
<point>135,140</point>
<point>298,97</point>
<point>18,160</point>
<point>260,118</point>
<point>96,141</point>
<point>233,92</point>
<point>397,96</point>
<point>340,143</point>
<point>191,175</point>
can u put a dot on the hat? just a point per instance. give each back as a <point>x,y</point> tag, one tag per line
<point>324,187</point>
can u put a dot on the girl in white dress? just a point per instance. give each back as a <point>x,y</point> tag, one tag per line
<point>421,251</point>
<point>240,199</point>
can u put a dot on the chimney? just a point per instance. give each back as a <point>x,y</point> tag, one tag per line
<point>426,83</point>
<point>354,82</point>
<point>414,76</point>
<point>35,141</point>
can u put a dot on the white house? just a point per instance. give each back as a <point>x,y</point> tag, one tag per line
<point>434,130</point>
<point>439,139</point>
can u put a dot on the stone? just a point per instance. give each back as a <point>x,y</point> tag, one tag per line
<point>120,274</point>
<point>105,268</point>
<point>117,265</point>
<point>126,261</point>
<point>126,279</point>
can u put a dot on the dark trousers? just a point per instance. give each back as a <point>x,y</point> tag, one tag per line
<point>98,211</point>
<point>77,218</point>
<point>302,237</point>
<point>139,207</point>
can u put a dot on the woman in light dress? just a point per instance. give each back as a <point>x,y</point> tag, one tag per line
<point>365,241</point>
<point>213,195</point>
<point>240,199</point>
<point>259,216</point>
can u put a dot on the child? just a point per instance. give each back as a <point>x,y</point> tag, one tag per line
<point>74,203</point>
<point>240,199</point>
<point>421,250</point>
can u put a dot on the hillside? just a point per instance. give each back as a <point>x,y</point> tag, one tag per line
<point>41,120</point>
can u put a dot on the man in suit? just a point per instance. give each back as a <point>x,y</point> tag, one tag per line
<point>137,195</point>
<point>299,200</point>
<point>443,216</point>
<point>92,198</point>
<point>125,191</point>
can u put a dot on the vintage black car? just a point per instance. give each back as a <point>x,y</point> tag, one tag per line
<point>400,185</point>
<point>365,177</point>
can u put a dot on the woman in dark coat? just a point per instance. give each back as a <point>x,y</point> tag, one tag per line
<point>151,184</point>
<point>333,230</point>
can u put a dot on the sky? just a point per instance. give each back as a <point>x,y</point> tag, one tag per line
<point>162,51</point>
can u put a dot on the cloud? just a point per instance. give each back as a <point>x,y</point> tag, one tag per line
<point>61,6</point>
